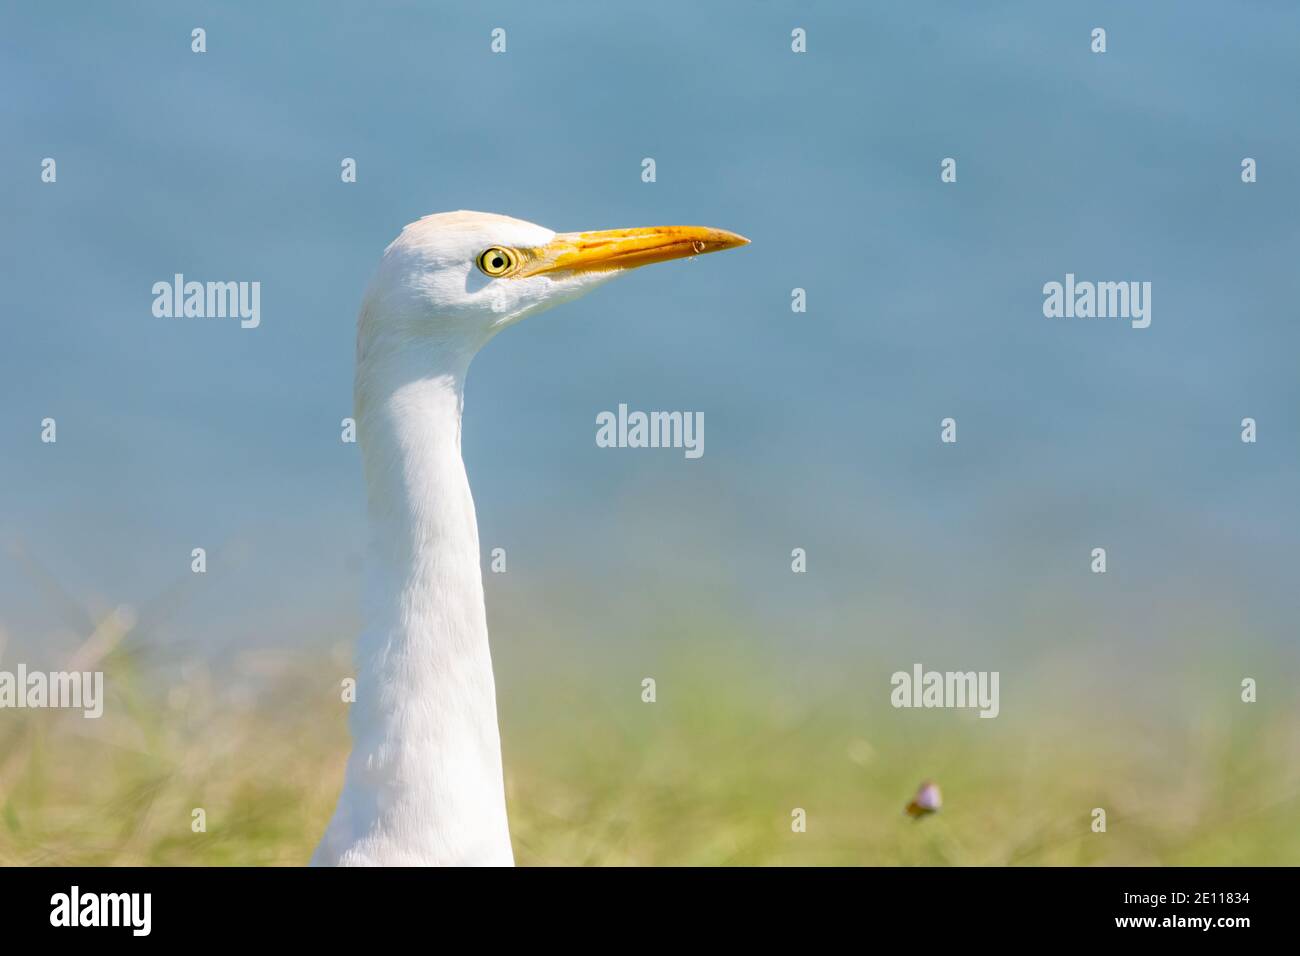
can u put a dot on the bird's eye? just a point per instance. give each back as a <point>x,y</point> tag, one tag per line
<point>496,261</point>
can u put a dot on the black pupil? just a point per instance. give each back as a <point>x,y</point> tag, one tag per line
<point>497,262</point>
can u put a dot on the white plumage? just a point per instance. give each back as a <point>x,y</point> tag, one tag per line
<point>424,781</point>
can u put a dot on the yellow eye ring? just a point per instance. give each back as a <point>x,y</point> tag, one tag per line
<point>496,261</point>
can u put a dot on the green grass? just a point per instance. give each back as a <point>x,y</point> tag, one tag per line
<point>708,774</point>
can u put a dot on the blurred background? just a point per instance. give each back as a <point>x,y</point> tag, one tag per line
<point>924,299</point>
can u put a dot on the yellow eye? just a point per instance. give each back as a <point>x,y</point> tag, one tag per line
<point>497,261</point>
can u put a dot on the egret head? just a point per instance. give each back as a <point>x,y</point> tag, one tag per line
<point>458,278</point>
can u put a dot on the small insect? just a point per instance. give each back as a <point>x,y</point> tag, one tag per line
<point>928,800</point>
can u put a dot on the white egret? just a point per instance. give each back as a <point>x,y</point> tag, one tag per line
<point>423,783</point>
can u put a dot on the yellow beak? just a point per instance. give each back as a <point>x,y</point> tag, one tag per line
<point>612,249</point>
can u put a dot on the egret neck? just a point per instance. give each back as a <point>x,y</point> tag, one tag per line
<point>424,781</point>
